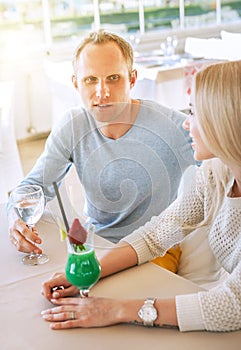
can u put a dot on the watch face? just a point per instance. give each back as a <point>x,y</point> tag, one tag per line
<point>149,313</point>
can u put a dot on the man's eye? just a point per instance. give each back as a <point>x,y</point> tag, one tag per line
<point>113,77</point>
<point>90,80</point>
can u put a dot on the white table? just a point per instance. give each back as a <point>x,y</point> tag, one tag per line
<point>169,80</point>
<point>22,327</point>
<point>162,79</point>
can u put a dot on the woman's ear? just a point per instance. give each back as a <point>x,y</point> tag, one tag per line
<point>74,81</point>
<point>133,78</point>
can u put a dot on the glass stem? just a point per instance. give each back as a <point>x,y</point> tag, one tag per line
<point>84,293</point>
<point>32,255</point>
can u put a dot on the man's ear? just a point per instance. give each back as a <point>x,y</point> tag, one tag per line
<point>133,78</point>
<point>74,81</point>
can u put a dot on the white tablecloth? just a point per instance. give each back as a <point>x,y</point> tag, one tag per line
<point>22,327</point>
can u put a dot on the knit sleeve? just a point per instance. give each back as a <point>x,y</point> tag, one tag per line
<point>163,231</point>
<point>218,309</point>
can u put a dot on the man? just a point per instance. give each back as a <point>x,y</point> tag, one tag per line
<point>129,154</point>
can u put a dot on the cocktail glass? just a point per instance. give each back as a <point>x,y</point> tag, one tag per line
<point>82,267</point>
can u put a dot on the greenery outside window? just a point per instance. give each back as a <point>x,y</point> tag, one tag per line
<point>28,24</point>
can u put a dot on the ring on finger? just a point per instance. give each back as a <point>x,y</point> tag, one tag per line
<point>13,241</point>
<point>72,315</point>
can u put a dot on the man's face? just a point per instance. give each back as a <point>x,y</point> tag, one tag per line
<point>103,81</point>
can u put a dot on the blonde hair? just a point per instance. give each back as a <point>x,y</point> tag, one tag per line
<point>102,37</point>
<point>218,109</point>
<point>218,113</point>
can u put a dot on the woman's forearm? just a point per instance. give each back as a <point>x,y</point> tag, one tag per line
<point>117,258</point>
<point>167,315</point>
<point>101,312</point>
<point>166,310</point>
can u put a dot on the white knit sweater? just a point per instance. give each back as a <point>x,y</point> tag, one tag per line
<point>218,309</point>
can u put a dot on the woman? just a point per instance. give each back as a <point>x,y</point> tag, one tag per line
<point>213,200</point>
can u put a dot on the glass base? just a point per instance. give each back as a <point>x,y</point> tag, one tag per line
<point>84,293</point>
<point>35,259</point>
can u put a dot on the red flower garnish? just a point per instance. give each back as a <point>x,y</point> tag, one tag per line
<point>77,233</point>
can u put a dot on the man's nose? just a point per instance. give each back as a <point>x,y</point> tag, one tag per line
<point>102,91</point>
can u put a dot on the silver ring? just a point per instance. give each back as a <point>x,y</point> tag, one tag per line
<point>72,315</point>
<point>13,241</point>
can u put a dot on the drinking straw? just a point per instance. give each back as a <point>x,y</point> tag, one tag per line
<point>61,206</point>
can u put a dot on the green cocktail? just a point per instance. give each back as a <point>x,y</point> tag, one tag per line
<point>82,269</point>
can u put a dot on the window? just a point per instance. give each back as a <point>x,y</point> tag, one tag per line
<point>29,23</point>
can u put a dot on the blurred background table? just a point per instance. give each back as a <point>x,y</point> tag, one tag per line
<point>167,80</point>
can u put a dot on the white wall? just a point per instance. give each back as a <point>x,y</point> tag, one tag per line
<point>32,98</point>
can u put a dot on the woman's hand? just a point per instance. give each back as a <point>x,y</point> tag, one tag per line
<point>58,287</point>
<point>90,312</point>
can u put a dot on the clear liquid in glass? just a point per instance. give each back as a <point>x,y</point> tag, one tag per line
<point>30,210</point>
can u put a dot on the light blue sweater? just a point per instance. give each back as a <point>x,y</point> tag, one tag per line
<point>127,180</point>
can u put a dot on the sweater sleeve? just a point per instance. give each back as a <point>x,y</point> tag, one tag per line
<point>163,231</point>
<point>54,163</point>
<point>218,309</point>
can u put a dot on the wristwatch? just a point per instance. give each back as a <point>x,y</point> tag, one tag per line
<point>148,313</point>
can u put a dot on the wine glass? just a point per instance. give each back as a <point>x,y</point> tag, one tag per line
<point>28,203</point>
<point>169,46</point>
<point>82,267</point>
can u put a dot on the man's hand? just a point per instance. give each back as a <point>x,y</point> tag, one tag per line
<point>23,237</point>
